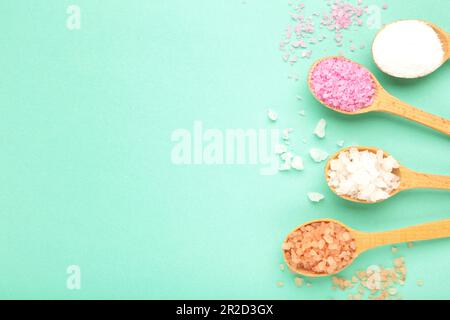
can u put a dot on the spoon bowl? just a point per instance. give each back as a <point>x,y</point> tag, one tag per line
<point>443,36</point>
<point>384,102</point>
<point>368,240</point>
<point>409,179</point>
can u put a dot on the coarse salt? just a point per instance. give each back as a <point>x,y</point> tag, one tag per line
<point>342,84</point>
<point>315,196</point>
<point>408,49</point>
<point>319,247</point>
<point>318,155</point>
<point>297,163</point>
<point>272,115</point>
<point>363,175</point>
<point>319,131</point>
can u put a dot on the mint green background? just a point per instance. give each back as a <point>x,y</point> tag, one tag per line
<point>85,124</point>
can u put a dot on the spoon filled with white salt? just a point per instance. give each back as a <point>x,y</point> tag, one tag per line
<point>410,48</point>
<point>369,175</point>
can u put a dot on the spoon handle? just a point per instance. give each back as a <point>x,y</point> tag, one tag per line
<point>447,51</point>
<point>395,106</point>
<point>416,180</point>
<point>427,231</point>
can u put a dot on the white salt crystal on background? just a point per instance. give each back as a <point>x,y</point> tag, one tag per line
<point>408,49</point>
<point>297,163</point>
<point>315,196</point>
<point>318,155</point>
<point>319,131</point>
<point>272,115</point>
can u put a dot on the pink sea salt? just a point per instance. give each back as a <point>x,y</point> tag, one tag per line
<point>342,84</point>
<point>319,247</point>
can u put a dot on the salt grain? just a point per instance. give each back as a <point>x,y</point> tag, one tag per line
<point>272,115</point>
<point>315,196</point>
<point>298,281</point>
<point>318,155</point>
<point>297,163</point>
<point>319,131</point>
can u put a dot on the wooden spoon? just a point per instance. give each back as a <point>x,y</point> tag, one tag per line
<point>384,102</point>
<point>409,179</point>
<point>441,33</point>
<point>368,240</point>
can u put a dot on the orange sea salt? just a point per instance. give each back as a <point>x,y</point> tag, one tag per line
<point>320,247</point>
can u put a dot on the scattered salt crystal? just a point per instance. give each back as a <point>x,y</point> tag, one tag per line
<point>297,163</point>
<point>319,131</point>
<point>272,115</point>
<point>280,284</point>
<point>318,155</point>
<point>298,281</point>
<point>315,196</point>
<point>420,283</point>
<point>340,143</point>
<point>302,113</point>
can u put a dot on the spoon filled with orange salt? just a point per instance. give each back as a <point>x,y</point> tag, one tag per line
<point>349,88</point>
<point>325,247</point>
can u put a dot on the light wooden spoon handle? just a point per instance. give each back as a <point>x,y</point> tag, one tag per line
<point>427,231</point>
<point>447,51</point>
<point>416,180</point>
<point>390,104</point>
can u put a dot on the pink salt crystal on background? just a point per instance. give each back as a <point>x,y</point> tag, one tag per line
<point>342,84</point>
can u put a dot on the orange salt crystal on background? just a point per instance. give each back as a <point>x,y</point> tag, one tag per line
<point>320,247</point>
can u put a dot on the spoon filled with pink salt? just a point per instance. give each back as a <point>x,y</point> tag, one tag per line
<point>349,88</point>
<point>325,247</point>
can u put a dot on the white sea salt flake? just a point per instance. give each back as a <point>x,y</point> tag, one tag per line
<point>319,131</point>
<point>318,155</point>
<point>302,113</point>
<point>272,115</point>
<point>297,163</point>
<point>315,196</point>
<point>340,143</point>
